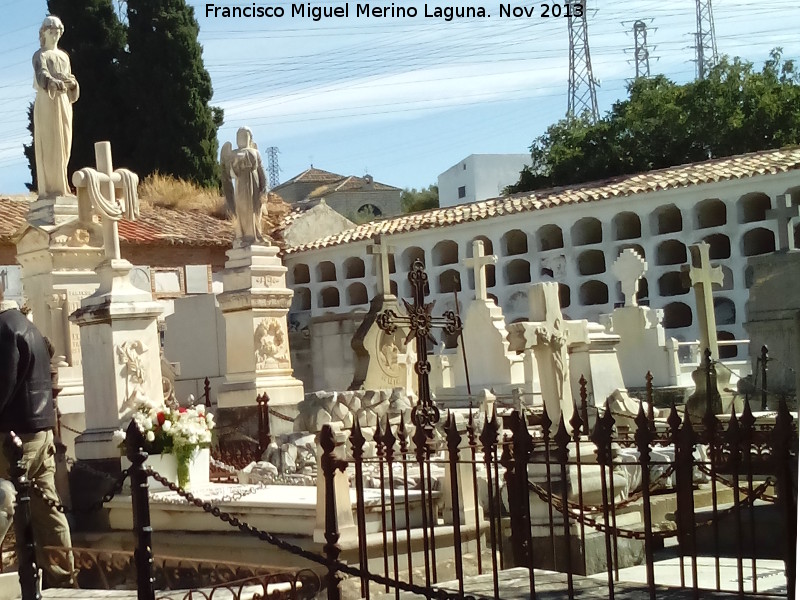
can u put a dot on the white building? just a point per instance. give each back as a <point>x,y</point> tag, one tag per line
<point>480,176</point>
<point>571,235</point>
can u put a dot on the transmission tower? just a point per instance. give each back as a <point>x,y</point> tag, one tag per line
<point>705,38</point>
<point>273,169</point>
<point>641,53</point>
<point>582,93</point>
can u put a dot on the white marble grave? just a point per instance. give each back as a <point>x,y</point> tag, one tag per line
<point>644,345</point>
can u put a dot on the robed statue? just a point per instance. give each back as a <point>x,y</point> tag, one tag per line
<point>56,90</point>
<point>244,184</point>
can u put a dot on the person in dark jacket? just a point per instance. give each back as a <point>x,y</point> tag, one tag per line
<point>27,409</point>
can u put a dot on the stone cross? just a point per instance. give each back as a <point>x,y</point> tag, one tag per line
<point>784,212</point>
<point>629,268</point>
<point>97,188</point>
<point>702,276</point>
<point>552,338</point>
<point>478,264</point>
<point>381,250</point>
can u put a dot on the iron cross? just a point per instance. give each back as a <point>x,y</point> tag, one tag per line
<point>420,322</point>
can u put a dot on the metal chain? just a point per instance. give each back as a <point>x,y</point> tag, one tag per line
<point>298,551</point>
<point>55,504</point>
<point>765,497</point>
<point>281,416</point>
<point>77,464</point>
<point>68,428</point>
<point>635,534</point>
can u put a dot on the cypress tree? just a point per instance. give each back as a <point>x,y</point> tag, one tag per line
<point>172,126</point>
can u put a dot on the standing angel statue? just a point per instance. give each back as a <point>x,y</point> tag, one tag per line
<point>244,198</point>
<point>56,91</point>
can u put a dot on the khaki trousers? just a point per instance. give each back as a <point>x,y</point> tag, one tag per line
<point>50,527</point>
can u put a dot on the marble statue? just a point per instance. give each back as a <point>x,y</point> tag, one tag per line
<point>56,90</point>
<point>244,198</point>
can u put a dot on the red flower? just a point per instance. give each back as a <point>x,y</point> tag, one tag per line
<point>181,410</point>
<point>161,418</point>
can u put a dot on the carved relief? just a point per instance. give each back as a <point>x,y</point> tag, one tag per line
<point>267,281</point>
<point>270,343</point>
<point>129,355</point>
<point>79,238</point>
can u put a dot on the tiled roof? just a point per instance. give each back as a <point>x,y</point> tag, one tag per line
<point>313,175</point>
<point>176,228</point>
<point>12,216</point>
<point>721,169</point>
<point>156,225</point>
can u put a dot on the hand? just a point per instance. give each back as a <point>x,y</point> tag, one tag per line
<point>55,85</point>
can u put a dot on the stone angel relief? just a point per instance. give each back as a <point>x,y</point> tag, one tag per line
<point>244,183</point>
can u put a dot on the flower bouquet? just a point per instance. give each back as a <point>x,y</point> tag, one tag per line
<point>182,432</point>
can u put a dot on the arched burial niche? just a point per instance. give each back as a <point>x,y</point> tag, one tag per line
<point>673,283</point>
<point>550,237</point>
<point>724,311</point>
<point>710,213</point>
<point>587,230</point>
<point>329,297</point>
<point>301,299</point>
<point>449,281</point>
<point>627,226</point>
<point>753,207</point>
<point>564,295</point>
<point>758,241</point>
<point>727,350</point>
<point>591,262</point>
<point>445,253</point>
<point>354,268</point>
<point>489,271</point>
<point>300,274</point>
<point>518,271</point>
<point>666,219</point>
<point>488,247</point>
<point>635,247</point>
<point>727,278</point>
<point>514,242</point>
<point>356,294</point>
<point>671,252</point>
<point>326,271</point>
<point>593,292</point>
<point>411,254</point>
<point>677,315</point>
<point>720,246</point>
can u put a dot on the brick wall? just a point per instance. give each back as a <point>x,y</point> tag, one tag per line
<point>174,256</point>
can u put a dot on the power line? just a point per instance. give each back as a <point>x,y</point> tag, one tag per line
<point>582,95</point>
<point>705,39</point>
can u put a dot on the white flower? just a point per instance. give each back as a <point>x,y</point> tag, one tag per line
<point>201,409</point>
<point>151,436</point>
<point>118,437</point>
<point>166,425</point>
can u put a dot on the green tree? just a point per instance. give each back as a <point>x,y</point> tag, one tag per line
<point>172,126</point>
<point>412,200</point>
<point>736,109</point>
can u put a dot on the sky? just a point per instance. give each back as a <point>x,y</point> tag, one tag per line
<point>404,99</point>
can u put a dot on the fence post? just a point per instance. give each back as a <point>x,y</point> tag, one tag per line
<point>264,433</point>
<point>329,463</point>
<point>140,500</point>
<point>207,392</point>
<point>784,445</point>
<point>764,369</point>
<point>26,556</point>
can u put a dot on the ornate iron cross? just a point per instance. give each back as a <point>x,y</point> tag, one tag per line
<point>420,322</point>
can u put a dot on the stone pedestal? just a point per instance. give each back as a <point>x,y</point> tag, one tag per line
<point>121,363</point>
<point>59,255</point>
<point>52,211</point>
<point>254,304</point>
